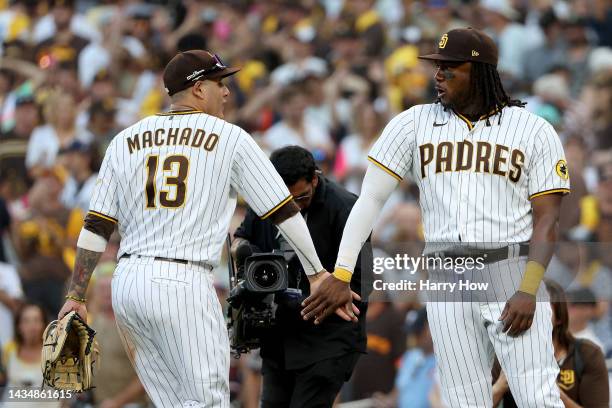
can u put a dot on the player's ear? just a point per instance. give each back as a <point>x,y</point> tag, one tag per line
<point>199,90</point>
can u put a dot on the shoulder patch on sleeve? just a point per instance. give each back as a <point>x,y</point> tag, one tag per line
<point>561,169</point>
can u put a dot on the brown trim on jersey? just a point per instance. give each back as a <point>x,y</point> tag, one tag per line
<point>385,168</point>
<point>469,122</point>
<point>285,212</point>
<point>493,112</point>
<point>553,191</point>
<point>277,207</point>
<point>103,216</point>
<point>466,120</point>
<point>185,112</point>
<point>103,227</point>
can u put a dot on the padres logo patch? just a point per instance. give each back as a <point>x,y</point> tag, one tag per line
<point>567,379</point>
<point>561,169</point>
<point>443,41</point>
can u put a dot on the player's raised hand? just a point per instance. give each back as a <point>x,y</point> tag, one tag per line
<point>518,313</point>
<point>329,295</point>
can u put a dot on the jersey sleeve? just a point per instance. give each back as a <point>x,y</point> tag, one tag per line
<point>393,150</point>
<point>103,202</point>
<point>548,172</point>
<point>256,179</point>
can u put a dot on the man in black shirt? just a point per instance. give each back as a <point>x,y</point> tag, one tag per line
<point>305,365</point>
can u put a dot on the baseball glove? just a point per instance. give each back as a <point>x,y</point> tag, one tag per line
<point>69,353</point>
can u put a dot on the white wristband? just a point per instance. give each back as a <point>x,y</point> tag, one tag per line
<point>295,231</point>
<point>91,242</point>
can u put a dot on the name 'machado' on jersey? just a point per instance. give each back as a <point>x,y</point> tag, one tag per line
<point>171,182</point>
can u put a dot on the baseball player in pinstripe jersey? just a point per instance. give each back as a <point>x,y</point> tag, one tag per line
<point>488,172</point>
<point>170,184</point>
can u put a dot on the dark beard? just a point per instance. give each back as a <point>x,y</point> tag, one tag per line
<point>447,106</point>
<point>461,109</point>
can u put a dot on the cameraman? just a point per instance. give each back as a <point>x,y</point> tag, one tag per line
<point>305,365</point>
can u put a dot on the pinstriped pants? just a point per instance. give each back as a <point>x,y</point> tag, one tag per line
<point>173,329</point>
<point>467,336</point>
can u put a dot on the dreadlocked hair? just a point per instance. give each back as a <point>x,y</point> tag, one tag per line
<point>486,87</point>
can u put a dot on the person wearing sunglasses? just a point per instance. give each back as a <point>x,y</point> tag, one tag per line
<point>305,365</point>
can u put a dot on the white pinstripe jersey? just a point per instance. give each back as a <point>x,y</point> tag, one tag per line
<point>475,180</point>
<point>171,182</point>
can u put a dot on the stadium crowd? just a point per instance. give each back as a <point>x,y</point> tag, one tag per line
<point>323,74</point>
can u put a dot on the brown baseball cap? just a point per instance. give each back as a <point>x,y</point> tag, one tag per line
<point>465,44</point>
<point>188,67</point>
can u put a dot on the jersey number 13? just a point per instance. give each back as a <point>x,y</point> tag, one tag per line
<point>177,167</point>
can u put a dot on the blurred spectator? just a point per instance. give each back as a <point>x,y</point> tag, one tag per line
<point>352,155</point>
<point>438,18</point>
<point>385,347</point>
<point>61,35</point>
<point>551,98</point>
<point>39,243</point>
<point>512,38</point>
<point>298,50</point>
<point>345,48</point>
<point>22,356</point>
<point>116,380</point>
<point>102,123</point>
<point>13,149</point>
<point>81,161</point>
<point>541,60</point>
<point>578,52</point>
<point>295,128</point>
<point>63,18</point>
<point>106,54</point>
<point>7,79</point>
<point>601,109</point>
<point>582,309</point>
<point>44,276</point>
<point>600,21</point>
<point>603,194</point>
<point>416,376</point>
<point>593,264</point>
<point>62,76</point>
<point>60,113</point>
<point>583,377</point>
<point>602,269</point>
<point>11,294</point>
<point>368,24</point>
<point>15,21</point>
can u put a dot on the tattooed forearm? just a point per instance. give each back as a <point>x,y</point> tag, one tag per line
<point>84,266</point>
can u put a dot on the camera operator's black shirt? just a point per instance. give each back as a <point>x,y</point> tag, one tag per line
<point>294,342</point>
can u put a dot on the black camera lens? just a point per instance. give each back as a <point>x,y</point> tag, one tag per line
<point>265,275</point>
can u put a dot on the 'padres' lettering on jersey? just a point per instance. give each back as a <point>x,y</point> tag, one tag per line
<point>172,180</point>
<point>480,157</point>
<point>466,170</point>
